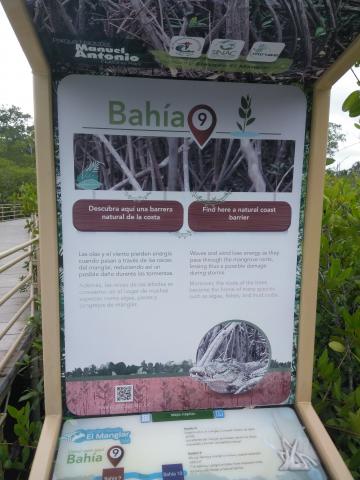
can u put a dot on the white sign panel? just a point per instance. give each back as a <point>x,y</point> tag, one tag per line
<point>180,210</point>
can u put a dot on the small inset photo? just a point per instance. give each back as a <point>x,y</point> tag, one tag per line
<point>232,357</point>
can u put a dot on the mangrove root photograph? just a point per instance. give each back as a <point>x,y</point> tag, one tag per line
<point>232,357</point>
<point>119,162</point>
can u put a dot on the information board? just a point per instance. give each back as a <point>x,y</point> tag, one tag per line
<point>180,212</point>
<point>179,205</point>
<point>266,443</point>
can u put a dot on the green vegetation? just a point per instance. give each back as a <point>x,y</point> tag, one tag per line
<point>25,412</point>
<point>336,389</point>
<point>121,369</point>
<point>352,102</point>
<point>26,432</point>
<point>17,156</point>
<point>335,136</point>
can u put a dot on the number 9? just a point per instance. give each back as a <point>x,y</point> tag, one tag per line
<point>202,118</point>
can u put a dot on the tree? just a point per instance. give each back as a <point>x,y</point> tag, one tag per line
<point>335,136</point>
<point>16,134</point>
<point>17,160</point>
<point>12,177</point>
<point>355,169</point>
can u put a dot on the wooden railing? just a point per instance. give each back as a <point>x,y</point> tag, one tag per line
<point>10,211</point>
<point>27,252</point>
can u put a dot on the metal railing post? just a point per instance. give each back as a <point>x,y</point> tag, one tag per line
<point>10,211</point>
<point>26,250</point>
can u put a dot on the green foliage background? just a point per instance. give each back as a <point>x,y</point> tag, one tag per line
<point>336,388</point>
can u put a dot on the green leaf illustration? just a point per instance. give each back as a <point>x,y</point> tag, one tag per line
<point>89,184</point>
<point>250,121</point>
<point>244,103</point>
<point>88,178</point>
<point>242,113</point>
<point>245,112</point>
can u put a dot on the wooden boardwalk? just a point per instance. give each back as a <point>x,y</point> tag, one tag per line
<point>12,233</point>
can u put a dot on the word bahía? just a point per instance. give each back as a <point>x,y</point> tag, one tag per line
<point>84,458</point>
<point>147,116</point>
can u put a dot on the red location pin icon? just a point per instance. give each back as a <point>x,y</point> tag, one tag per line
<point>202,121</point>
<point>115,454</point>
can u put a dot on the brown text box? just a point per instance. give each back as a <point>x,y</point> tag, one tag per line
<point>127,216</point>
<point>113,474</point>
<point>239,216</point>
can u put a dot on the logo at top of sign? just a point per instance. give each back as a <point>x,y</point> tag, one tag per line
<point>265,51</point>
<point>202,121</point>
<point>225,49</point>
<point>115,454</point>
<point>190,47</point>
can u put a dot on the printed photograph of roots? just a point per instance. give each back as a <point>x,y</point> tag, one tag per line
<point>114,162</point>
<point>232,357</point>
<point>314,31</point>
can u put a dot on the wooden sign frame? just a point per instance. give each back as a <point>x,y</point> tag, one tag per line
<point>44,457</point>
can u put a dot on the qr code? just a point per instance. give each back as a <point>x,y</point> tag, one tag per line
<point>124,393</point>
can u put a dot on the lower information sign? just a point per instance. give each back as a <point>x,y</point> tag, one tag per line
<point>264,443</point>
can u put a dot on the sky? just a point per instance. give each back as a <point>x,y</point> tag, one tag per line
<point>16,89</point>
